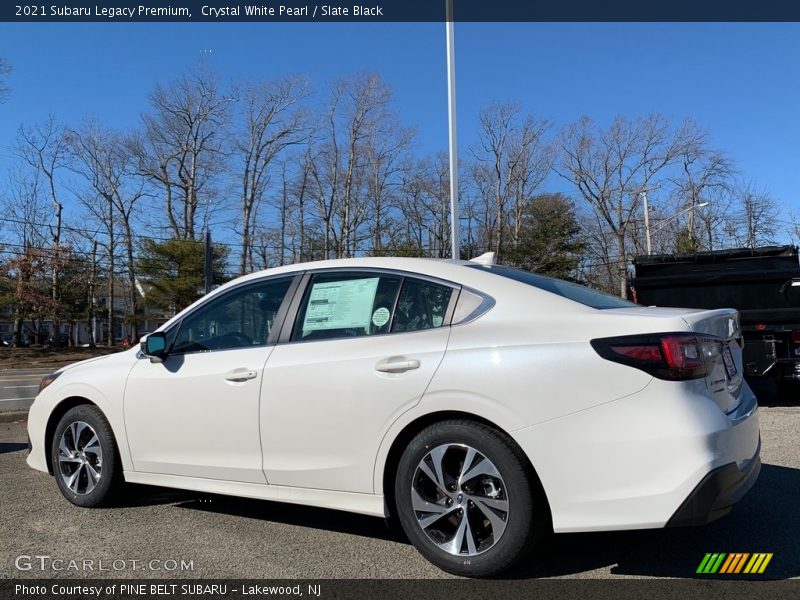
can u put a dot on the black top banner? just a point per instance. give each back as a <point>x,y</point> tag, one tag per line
<point>374,11</point>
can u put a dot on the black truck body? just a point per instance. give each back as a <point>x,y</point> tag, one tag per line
<point>763,284</point>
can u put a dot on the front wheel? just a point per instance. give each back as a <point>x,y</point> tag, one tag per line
<point>468,500</point>
<point>85,459</point>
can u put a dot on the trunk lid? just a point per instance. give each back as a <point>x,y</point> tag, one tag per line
<point>724,381</point>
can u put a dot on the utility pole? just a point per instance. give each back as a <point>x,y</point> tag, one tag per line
<point>647,233</point>
<point>281,259</point>
<point>451,112</point>
<point>208,261</point>
<point>647,222</point>
<point>111,272</point>
<point>92,300</point>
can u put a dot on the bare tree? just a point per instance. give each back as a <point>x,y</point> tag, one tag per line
<point>271,123</point>
<point>356,107</point>
<point>26,208</point>
<point>757,216</point>
<point>43,148</point>
<point>181,149</point>
<point>611,168</point>
<point>387,144</point>
<point>298,198</point>
<point>104,161</point>
<point>704,175</point>
<point>513,160</point>
<point>424,207</point>
<point>412,204</point>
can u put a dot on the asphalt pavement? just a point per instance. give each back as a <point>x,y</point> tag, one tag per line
<point>226,537</point>
<point>18,388</point>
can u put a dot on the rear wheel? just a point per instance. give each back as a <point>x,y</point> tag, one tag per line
<point>467,499</point>
<point>85,459</point>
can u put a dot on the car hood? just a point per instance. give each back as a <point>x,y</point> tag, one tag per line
<point>95,359</point>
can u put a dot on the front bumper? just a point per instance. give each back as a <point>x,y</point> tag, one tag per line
<point>716,494</point>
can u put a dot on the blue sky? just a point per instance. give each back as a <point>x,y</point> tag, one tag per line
<point>739,81</point>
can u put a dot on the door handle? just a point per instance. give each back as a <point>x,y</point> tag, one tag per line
<point>240,375</point>
<point>397,365</point>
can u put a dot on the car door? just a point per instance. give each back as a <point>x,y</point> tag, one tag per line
<point>196,413</point>
<point>361,350</point>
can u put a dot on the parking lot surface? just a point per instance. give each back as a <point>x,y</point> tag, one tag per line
<point>230,537</point>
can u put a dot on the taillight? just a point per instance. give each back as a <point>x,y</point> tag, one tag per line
<point>672,356</point>
<point>796,336</point>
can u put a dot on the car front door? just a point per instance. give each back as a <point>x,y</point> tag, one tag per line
<point>196,413</point>
<point>362,349</point>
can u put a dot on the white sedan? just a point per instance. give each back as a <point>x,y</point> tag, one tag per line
<point>479,405</point>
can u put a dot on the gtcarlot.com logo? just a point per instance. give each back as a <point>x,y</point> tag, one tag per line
<point>734,563</point>
<point>43,562</point>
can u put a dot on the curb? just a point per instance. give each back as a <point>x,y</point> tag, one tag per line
<point>13,417</point>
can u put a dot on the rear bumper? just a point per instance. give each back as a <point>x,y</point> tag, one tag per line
<point>716,494</point>
<point>633,463</point>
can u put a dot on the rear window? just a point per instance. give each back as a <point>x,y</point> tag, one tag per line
<point>571,291</point>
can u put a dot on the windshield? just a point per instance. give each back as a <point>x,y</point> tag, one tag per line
<point>571,291</point>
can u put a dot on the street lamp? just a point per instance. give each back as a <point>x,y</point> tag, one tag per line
<point>451,113</point>
<point>665,223</point>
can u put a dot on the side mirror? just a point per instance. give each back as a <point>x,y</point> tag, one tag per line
<point>155,346</point>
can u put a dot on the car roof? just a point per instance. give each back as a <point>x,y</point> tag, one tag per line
<point>445,269</point>
<point>426,266</point>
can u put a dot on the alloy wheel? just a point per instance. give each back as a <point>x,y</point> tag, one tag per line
<point>459,499</point>
<point>80,458</point>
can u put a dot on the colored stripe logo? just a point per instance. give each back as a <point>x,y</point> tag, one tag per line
<point>734,563</point>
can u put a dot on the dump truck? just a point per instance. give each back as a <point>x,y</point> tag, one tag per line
<point>763,284</point>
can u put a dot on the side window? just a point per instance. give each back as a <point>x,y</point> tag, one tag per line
<point>346,305</point>
<point>422,305</point>
<point>241,318</point>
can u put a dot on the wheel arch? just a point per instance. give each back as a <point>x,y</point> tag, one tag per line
<point>414,427</point>
<point>52,422</point>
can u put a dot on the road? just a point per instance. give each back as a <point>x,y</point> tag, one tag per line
<point>18,388</point>
<point>231,538</point>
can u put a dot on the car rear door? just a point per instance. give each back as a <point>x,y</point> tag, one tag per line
<point>361,350</point>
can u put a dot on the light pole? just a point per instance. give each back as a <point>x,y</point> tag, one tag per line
<point>451,113</point>
<point>643,193</point>
<point>647,222</point>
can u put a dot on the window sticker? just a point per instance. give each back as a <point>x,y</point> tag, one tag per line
<point>340,304</point>
<point>380,317</point>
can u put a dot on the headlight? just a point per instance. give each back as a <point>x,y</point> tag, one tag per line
<point>48,379</point>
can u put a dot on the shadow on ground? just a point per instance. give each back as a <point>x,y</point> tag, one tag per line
<point>766,520</point>
<point>769,393</point>
<point>12,447</point>
<point>302,516</point>
<point>147,495</point>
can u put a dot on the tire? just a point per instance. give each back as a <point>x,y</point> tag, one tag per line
<point>500,494</point>
<point>89,472</point>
